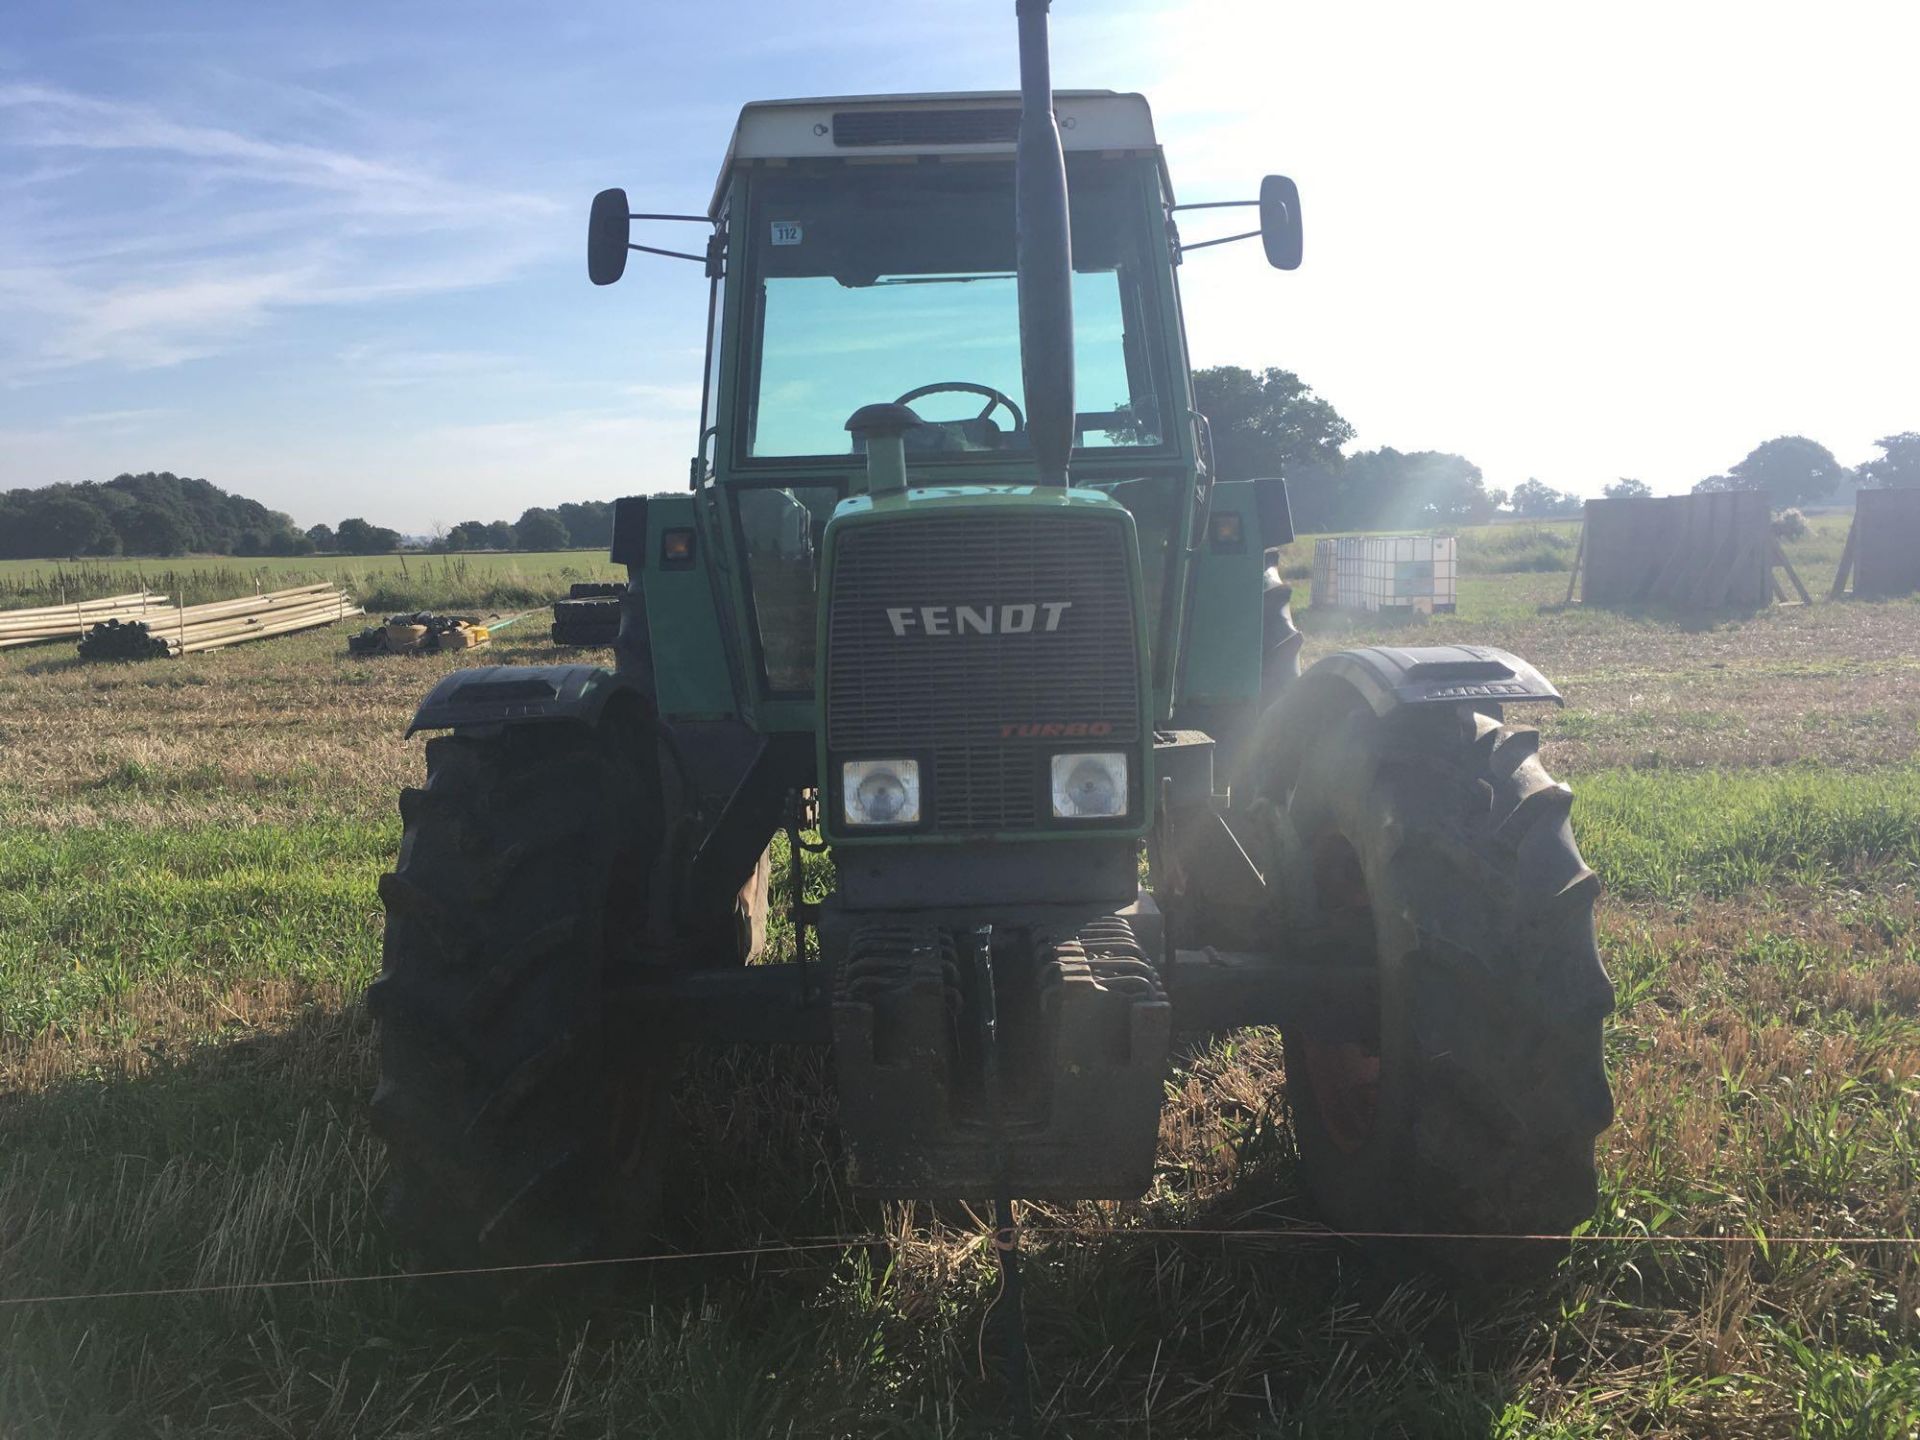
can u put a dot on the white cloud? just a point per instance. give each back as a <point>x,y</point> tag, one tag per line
<point>387,365</point>
<point>113,419</point>
<point>58,119</point>
<point>678,403</point>
<point>219,232</point>
<point>496,469</point>
<point>554,442</point>
<point>145,325</point>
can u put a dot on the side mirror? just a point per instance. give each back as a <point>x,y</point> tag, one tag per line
<point>629,546</point>
<point>1280,222</point>
<point>607,232</point>
<point>1270,499</point>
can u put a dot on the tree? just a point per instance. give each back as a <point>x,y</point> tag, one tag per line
<point>1898,464</point>
<point>1273,424</point>
<point>62,525</point>
<point>357,537</point>
<point>500,536</point>
<point>126,510</point>
<point>1536,500</point>
<point>539,529</point>
<point>468,535</point>
<point>1790,469</point>
<point>1628,489</point>
<point>323,539</point>
<point>1386,488</point>
<point>589,522</point>
<point>150,529</point>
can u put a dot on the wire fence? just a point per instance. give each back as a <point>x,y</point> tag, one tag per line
<point>1000,1241</point>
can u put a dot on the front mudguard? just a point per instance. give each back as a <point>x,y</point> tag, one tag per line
<point>1387,679</point>
<point>1392,677</point>
<point>1391,681</point>
<point>718,870</point>
<point>486,699</point>
<point>1243,892</point>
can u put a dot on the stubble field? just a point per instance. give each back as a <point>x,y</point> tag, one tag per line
<point>188,858</point>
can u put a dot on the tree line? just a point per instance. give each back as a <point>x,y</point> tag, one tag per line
<point>1262,423</point>
<point>152,514</point>
<point>159,514</point>
<point>1271,422</point>
<point>574,526</point>
<point>585,525</point>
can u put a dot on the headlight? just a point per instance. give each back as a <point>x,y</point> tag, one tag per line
<point>881,792</point>
<point>1090,787</point>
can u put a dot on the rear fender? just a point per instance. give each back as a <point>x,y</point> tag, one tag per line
<point>487,698</point>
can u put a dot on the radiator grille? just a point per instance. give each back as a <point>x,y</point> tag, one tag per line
<point>952,696</point>
<point>926,127</point>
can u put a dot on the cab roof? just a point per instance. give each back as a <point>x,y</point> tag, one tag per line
<point>981,122</point>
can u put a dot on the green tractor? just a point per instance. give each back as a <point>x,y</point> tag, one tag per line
<point>955,583</point>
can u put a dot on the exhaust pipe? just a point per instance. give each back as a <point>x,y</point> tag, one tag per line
<point>1044,255</point>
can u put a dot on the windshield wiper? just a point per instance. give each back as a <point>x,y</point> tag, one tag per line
<point>939,279</point>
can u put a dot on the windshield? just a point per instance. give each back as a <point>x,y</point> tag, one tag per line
<point>896,282</point>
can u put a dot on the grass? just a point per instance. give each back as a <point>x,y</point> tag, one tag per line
<point>1719,833</point>
<point>1548,547</point>
<point>379,582</point>
<point>90,916</point>
<point>188,859</point>
<point>1515,549</point>
<point>1505,549</point>
<point>511,579</point>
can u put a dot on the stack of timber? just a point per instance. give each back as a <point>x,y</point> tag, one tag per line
<point>70,622</point>
<point>190,629</point>
<point>1883,545</point>
<point>1687,552</point>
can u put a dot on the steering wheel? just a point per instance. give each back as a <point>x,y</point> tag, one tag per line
<point>994,398</point>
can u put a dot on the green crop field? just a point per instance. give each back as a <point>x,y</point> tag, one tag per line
<point>189,852</point>
<point>479,580</point>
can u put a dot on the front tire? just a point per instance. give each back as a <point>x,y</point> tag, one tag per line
<point>518,1127</point>
<point>1459,1085</point>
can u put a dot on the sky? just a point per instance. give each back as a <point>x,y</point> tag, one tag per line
<point>332,256</point>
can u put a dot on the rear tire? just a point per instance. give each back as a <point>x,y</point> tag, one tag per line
<point>1459,1090</point>
<point>518,1128</point>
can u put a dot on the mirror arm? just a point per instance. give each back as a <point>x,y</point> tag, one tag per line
<point>1206,205</point>
<point>1223,240</point>
<point>676,254</point>
<point>706,259</point>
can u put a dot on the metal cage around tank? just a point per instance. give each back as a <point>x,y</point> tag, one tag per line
<point>1410,573</point>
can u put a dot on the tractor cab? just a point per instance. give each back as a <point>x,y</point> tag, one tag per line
<point>864,252</point>
<point>873,244</point>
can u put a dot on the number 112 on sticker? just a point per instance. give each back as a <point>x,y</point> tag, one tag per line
<point>786,232</point>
